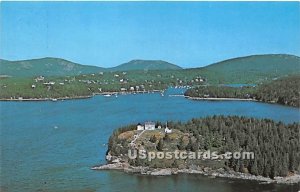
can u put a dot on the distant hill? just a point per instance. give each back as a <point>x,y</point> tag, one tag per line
<point>255,67</point>
<point>60,67</point>
<point>250,69</point>
<point>45,66</point>
<point>145,65</point>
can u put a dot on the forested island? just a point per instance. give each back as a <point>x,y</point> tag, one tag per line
<point>284,91</point>
<point>276,147</point>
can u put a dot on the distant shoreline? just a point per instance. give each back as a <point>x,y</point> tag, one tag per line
<point>135,92</point>
<point>234,99</point>
<point>219,98</point>
<point>48,99</point>
<point>77,97</point>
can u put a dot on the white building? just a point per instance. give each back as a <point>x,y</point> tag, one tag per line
<point>140,127</point>
<point>149,125</point>
<point>39,78</point>
<point>49,83</point>
<point>167,130</point>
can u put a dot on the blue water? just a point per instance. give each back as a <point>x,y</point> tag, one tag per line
<point>50,146</point>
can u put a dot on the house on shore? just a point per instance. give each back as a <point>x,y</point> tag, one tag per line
<point>39,78</point>
<point>149,125</point>
<point>167,130</point>
<point>140,127</point>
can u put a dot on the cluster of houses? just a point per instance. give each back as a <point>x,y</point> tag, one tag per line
<point>198,79</point>
<point>49,83</point>
<point>133,88</point>
<point>121,80</point>
<point>149,125</point>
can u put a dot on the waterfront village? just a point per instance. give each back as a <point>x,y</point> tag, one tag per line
<point>106,84</point>
<point>120,79</point>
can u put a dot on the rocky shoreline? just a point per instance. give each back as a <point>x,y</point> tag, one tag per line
<point>293,179</point>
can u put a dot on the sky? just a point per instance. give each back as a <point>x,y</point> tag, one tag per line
<point>106,34</point>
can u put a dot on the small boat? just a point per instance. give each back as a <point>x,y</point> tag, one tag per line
<point>107,95</point>
<point>54,99</point>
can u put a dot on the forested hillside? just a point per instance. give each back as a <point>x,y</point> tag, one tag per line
<point>46,67</point>
<point>284,91</point>
<point>255,68</point>
<point>250,69</point>
<point>61,67</point>
<point>66,81</point>
<point>144,65</point>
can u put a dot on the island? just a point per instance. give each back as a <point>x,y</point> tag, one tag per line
<point>267,151</point>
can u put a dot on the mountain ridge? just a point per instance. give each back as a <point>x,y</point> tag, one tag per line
<point>141,64</point>
<point>60,67</point>
<point>51,66</point>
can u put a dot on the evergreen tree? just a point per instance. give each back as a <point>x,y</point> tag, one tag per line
<point>160,145</point>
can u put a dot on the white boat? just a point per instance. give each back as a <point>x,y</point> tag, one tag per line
<point>54,99</point>
<point>107,95</point>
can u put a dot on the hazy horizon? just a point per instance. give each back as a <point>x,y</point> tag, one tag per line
<point>188,34</point>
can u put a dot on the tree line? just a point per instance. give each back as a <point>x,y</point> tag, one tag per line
<point>284,91</point>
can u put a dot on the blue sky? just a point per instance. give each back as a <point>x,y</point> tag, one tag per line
<point>190,34</point>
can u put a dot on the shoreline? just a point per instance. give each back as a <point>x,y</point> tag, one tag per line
<point>219,99</point>
<point>139,92</point>
<point>48,99</point>
<point>206,171</point>
<point>116,92</point>
<point>78,97</point>
<point>234,99</point>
